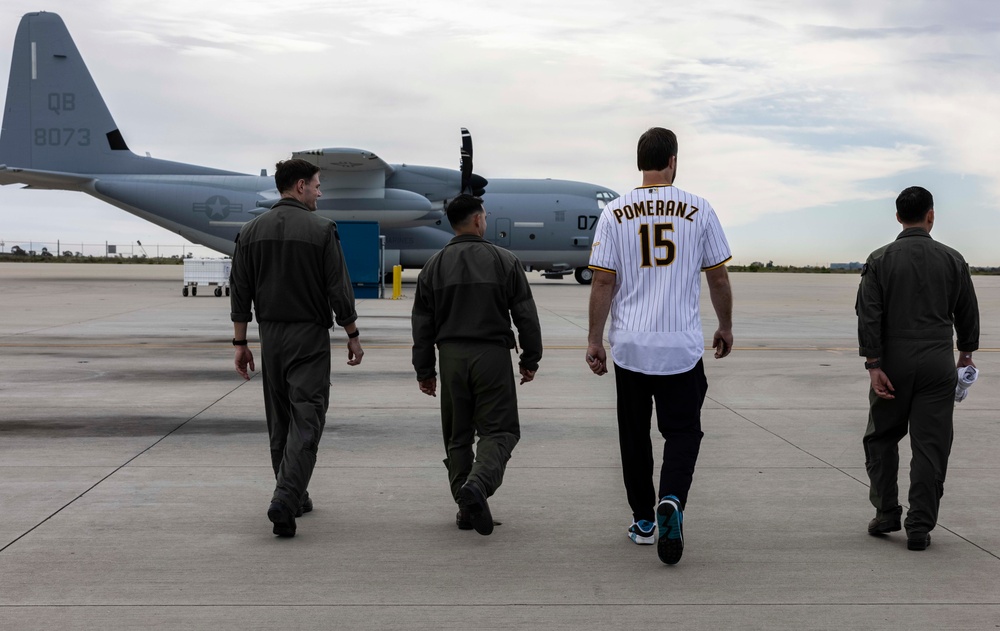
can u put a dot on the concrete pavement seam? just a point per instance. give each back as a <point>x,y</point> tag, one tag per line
<point>120,467</point>
<point>841,470</point>
<point>382,605</point>
<point>56,326</point>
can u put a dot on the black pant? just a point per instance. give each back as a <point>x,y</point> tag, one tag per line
<point>678,416</point>
<point>477,397</point>
<point>295,362</point>
<point>924,377</point>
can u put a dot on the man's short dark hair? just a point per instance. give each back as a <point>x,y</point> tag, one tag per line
<point>288,172</point>
<point>656,147</point>
<point>913,204</point>
<point>463,207</point>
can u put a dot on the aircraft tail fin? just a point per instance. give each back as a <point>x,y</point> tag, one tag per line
<point>55,119</point>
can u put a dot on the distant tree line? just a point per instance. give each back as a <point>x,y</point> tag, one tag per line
<point>20,255</point>
<point>841,268</point>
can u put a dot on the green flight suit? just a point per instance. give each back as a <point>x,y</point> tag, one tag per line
<point>467,295</point>
<point>289,266</point>
<point>913,293</point>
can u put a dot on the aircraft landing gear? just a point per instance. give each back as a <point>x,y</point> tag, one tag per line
<point>583,275</point>
<point>184,292</point>
<point>218,292</point>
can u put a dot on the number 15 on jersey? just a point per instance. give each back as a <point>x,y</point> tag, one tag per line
<point>659,240</point>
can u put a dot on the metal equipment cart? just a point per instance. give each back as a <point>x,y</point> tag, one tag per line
<point>206,272</point>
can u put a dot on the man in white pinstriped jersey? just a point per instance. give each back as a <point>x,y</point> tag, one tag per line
<point>650,247</point>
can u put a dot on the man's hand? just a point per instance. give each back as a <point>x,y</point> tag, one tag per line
<point>428,386</point>
<point>881,384</point>
<point>722,342</point>
<point>597,359</point>
<point>243,359</point>
<point>964,359</point>
<point>526,375</point>
<point>602,292</point>
<point>354,352</point>
<point>722,302</point>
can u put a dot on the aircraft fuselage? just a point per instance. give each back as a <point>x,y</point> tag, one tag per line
<point>546,230</point>
<point>58,133</point>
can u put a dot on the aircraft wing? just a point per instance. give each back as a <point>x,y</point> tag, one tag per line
<point>33,178</point>
<point>349,172</point>
<point>353,182</point>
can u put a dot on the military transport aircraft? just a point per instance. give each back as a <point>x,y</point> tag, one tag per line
<point>59,134</point>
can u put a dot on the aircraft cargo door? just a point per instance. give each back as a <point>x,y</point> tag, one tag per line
<point>501,235</point>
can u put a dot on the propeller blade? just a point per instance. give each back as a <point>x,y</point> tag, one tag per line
<point>466,161</point>
<point>478,185</point>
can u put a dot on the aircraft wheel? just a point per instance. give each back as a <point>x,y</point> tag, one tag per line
<point>184,292</point>
<point>583,275</point>
<point>227,291</point>
<point>218,292</point>
<point>194,291</point>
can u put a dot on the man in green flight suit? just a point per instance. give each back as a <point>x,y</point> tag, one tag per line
<point>290,267</point>
<point>913,292</point>
<point>467,294</point>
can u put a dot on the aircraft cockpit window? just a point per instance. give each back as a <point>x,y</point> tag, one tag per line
<point>603,197</point>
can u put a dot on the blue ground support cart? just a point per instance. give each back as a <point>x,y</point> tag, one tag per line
<point>362,250</point>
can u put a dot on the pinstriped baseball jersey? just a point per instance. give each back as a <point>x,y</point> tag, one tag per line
<point>657,240</point>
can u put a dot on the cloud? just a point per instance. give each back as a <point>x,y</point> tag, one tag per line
<point>840,32</point>
<point>746,178</point>
<point>778,106</point>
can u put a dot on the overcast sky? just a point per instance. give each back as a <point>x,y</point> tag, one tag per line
<point>799,121</point>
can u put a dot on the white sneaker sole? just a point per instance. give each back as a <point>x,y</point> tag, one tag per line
<point>642,541</point>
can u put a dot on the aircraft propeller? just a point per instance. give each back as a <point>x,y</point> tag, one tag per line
<point>471,183</point>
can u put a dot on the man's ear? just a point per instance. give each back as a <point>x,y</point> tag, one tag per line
<point>898,219</point>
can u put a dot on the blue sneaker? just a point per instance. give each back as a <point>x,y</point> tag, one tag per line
<point>669,520</point>
<point>642,532</point>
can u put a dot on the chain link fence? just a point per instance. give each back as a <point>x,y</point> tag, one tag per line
<point>76,250</point>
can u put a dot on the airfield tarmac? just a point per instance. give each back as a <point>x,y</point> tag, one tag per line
<point>134,478</point>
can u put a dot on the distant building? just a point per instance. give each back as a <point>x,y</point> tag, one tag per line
<point>848,266</point>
